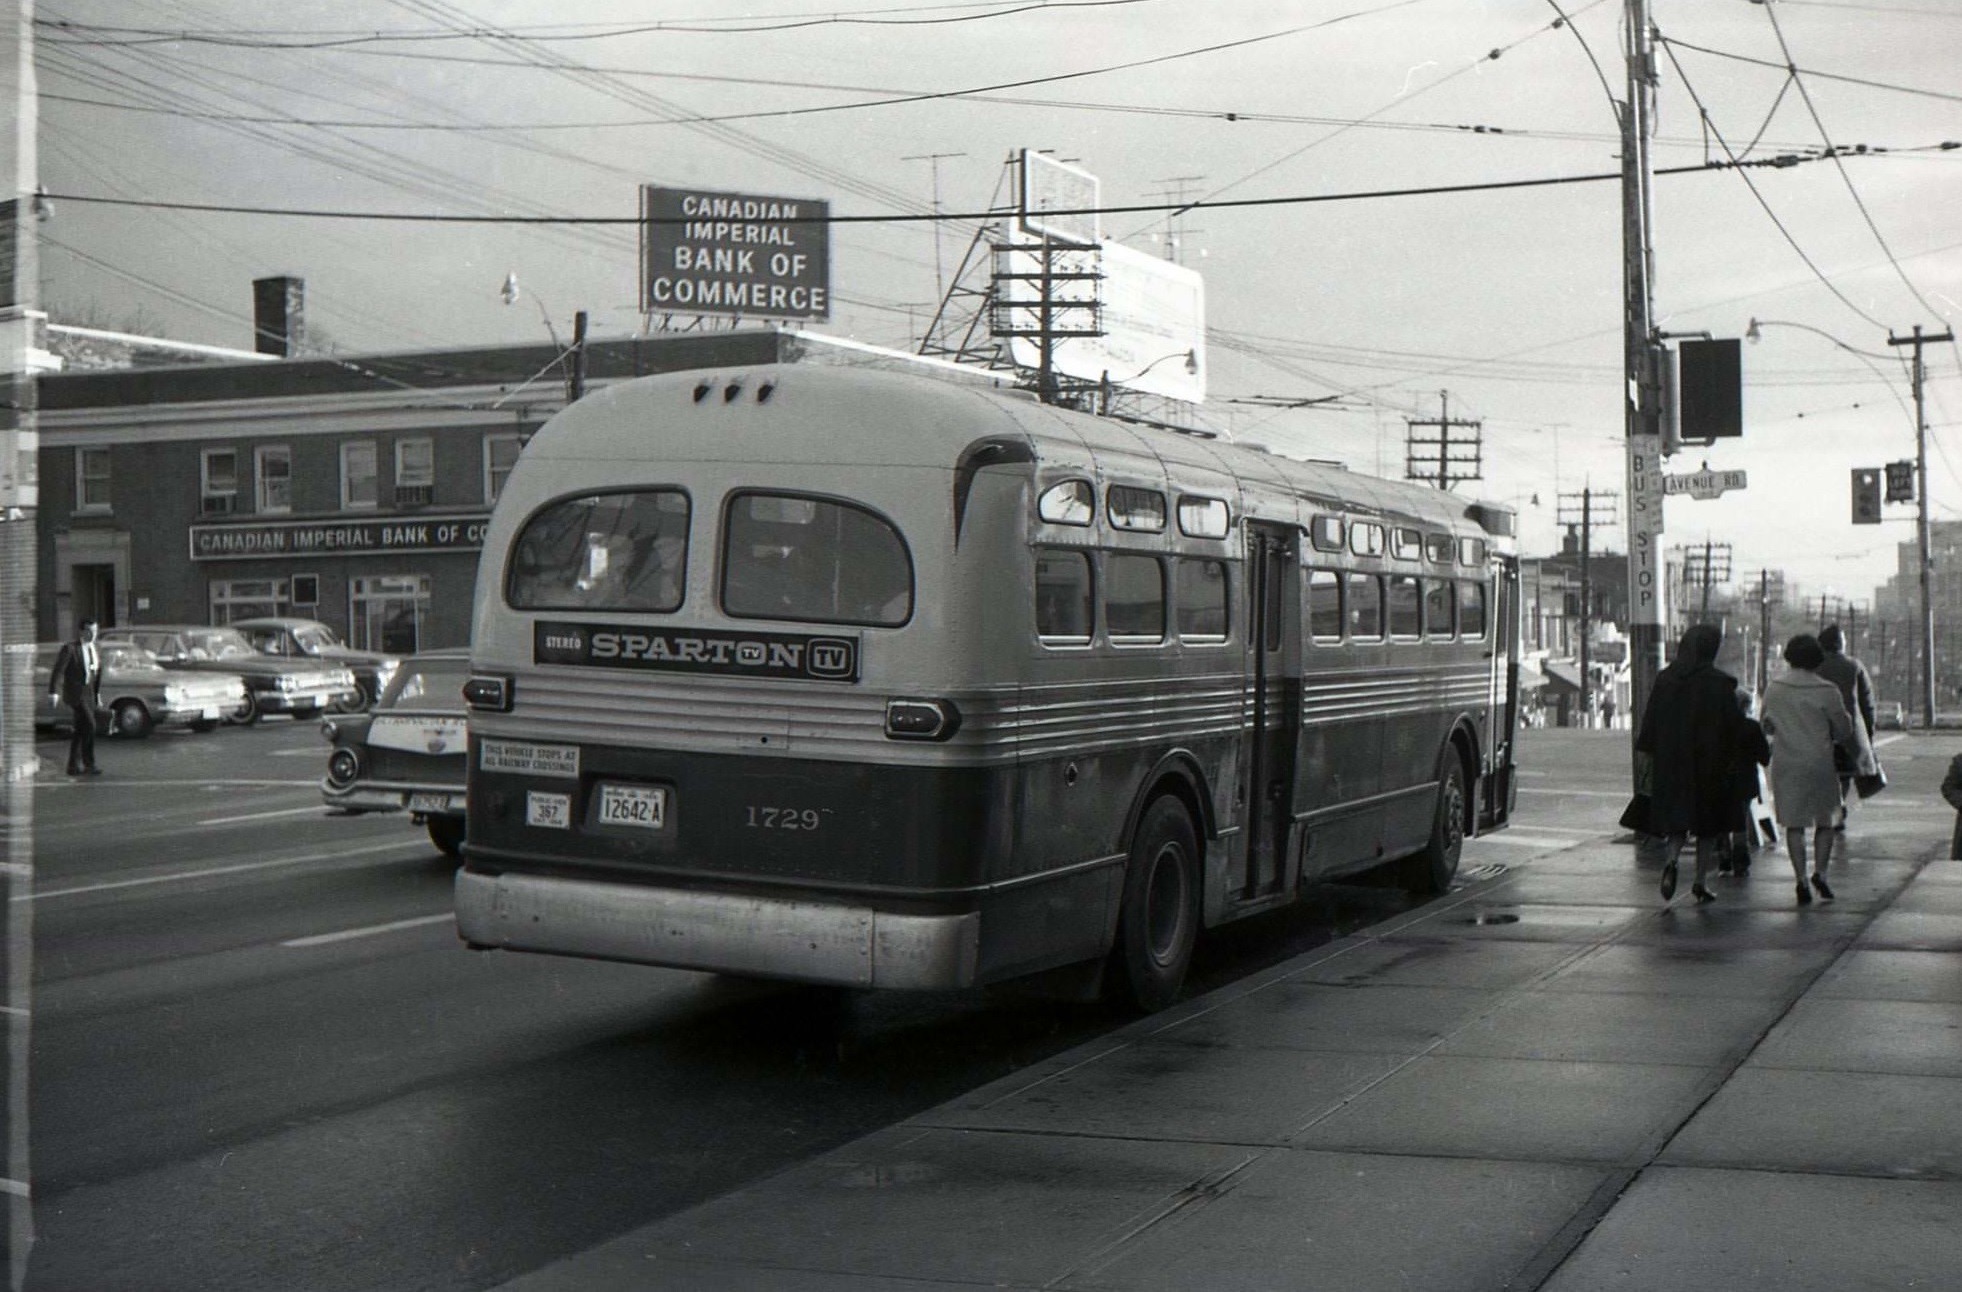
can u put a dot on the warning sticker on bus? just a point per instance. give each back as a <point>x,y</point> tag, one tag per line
<point>743,654</point>
<point>528,759</point>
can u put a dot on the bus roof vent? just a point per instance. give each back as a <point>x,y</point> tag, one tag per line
<point>702,389</point>
<point>764,391</point>
<point>733,389</point>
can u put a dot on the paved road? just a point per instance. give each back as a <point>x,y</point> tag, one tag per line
<point>261,1059</point>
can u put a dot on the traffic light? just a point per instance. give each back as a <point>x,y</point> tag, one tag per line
<point>1900,482</point>
<point>1866,496</point>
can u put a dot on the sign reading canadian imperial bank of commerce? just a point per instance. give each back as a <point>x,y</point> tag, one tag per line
<point>704,252</point>
<point>339,537</point>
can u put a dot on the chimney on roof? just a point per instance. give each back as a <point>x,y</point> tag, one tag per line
<point>279,315</point>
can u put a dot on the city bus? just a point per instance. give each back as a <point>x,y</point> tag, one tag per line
<point>857,677</point>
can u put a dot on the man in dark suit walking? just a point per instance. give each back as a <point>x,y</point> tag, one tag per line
<point>76,681</point>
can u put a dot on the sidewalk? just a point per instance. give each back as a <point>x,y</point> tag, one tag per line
<point>1546,1079</point>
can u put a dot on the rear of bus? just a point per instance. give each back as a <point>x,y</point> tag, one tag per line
<point>725,714</point>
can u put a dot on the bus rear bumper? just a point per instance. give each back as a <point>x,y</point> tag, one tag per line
<point>849,946</point>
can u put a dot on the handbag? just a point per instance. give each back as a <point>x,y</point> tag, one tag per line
<point>1871,783</point>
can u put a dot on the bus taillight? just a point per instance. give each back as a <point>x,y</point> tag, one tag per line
<point>488,691</point>
<point>922,719</point>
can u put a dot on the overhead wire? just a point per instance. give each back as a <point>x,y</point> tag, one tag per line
<point>1812,109</point>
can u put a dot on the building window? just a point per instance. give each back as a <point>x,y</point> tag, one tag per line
<point>91,479</point>
<point>358,485</point>
<point>272,470</point>
<point>386,612</point>
<point>500,455</point>
<point>415,472</point>
<point>219,482</point>
<point>236,599</point>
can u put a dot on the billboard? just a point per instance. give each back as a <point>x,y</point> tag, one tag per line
<point>708,252</point>
<point>1058,201</point>
<point>1151,312</point>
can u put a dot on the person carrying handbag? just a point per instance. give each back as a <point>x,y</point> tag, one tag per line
<point>1692,741</point>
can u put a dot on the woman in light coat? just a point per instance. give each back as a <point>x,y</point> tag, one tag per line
<point>1806,720</point>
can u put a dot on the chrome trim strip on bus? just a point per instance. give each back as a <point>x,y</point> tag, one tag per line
<point>1350,806</point>
<point>849,946</point>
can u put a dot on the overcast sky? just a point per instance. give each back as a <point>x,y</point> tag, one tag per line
<point>1509,300</point>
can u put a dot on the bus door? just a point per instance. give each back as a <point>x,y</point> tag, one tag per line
<point>1273,599</point>
<point>1495,803</point>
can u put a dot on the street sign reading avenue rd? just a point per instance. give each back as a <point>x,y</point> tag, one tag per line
<point>1703,484</point>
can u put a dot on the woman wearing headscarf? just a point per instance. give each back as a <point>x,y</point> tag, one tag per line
<point>1806,720</point>
<point>1694,736</point>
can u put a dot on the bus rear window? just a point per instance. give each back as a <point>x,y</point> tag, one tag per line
<point>609,551</point>
<point>813,560</point>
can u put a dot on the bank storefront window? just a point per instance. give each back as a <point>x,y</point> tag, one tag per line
<point>385,612</point>
<point>235,599</point>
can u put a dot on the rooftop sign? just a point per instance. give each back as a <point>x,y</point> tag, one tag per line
<point>1058,202</point>
<point>705,252</point>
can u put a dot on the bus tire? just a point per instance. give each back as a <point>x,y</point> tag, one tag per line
<point>1159,921</point>
<point>1430,872</point>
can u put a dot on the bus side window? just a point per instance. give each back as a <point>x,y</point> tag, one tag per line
<point>1134,596</point>
<point>1064,594</point>
<point>1406,605</point>
<point>1471,610</point>
<point>1325,605</point>
<point>1440,608</point>
<point>1365,608</point>
<point>1202,600</point>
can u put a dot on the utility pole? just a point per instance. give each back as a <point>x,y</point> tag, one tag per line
<point>22,347</point>
<point>1642,407</point>
<point>1585,518</point>
<point>1926,630</point>
<point>1421,451</point>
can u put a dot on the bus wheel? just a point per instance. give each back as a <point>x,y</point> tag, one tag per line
<point>1160,918</point>
<point>1430,871</point>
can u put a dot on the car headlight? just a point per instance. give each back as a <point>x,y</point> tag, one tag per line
<point>385,672</point>
<point>174,696</point>
<point>287,681</point>
<point>343,765</point>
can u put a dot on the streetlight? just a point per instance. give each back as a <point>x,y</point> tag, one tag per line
<point>1927,627</point>
<point>575,377</point>
<point>1191,358</point>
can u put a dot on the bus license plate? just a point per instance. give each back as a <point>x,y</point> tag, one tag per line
<point>643,807</point>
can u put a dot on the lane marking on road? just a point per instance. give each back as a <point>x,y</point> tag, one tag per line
<point>206,783</point>
<point>316,810</point>
<point>1519,839</point>
<point>348,935</point>
<point>1575,794</point>
<point>312,859</point>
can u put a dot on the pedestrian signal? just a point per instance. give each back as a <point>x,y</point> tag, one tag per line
<point>1900,482</point>
<point>1866,496</point>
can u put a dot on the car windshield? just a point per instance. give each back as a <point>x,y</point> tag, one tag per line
<point>218,643</point>
<point>126,655</point>
<point>427,684</point>
<point>314,638</point>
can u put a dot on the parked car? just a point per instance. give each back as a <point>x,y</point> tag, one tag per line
<point>409,752</point>
<point>301,688</point>
<point>1890,715</point>
<point>138,694</point>
<point>311,639</point>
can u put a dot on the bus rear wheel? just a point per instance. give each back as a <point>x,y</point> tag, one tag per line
<point>1159,922</point>
<point>1430,872</point>
<point>446,832</point>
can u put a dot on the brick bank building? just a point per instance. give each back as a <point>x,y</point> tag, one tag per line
<point>353,491</point>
